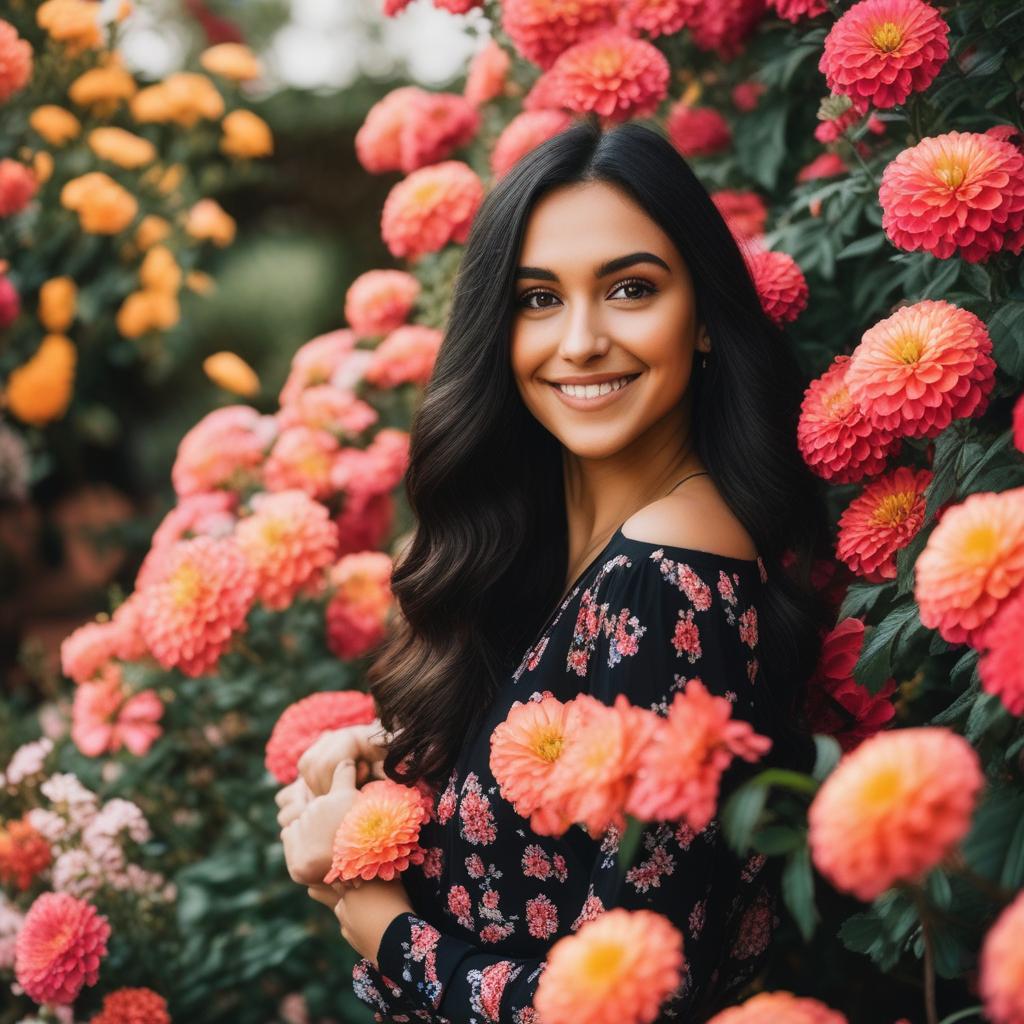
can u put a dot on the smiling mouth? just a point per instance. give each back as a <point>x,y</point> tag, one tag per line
<point>594,391</point>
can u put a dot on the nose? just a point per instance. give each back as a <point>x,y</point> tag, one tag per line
<point>584,339</point>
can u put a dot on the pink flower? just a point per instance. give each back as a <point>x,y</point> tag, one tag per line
<point>364,523</point>
<point>1002,668</point>
<point>325,407</point>
<point>1018,424</point>
<point>430,208</point>
<point>681,767</point>
<point>302,459</point>
<point>362,474</point>
<point>658,17</point>
<point>59,948</point>
<point>779,1008</point>
<point>15,61</point>
<point>17,187</point>
<point>780,283</point>
<point>485,79</point>
<point>104,717</point>
<point>405,356</point>
<point>828,165</point>
<point>361,600</point>
<point>744,212</point>
<point>330,358</point>
<point>880,51</point>
<point>746,96</point>
<point>697,131</point>
<point>541,29</point>
<point>10,302</point>
<point>796,10</point>
<point>961,194</point>
<point>380,301</point>
<point>523,133</point>
<point>724,25</point>
<point>88,650</point>
<point>1001,981</point>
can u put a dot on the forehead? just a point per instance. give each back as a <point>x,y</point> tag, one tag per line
<point>588,223</point>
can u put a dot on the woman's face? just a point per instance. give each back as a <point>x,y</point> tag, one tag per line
<point>604,304</point>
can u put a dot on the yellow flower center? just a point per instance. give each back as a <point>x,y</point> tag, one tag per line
<point>907,348</point>
<point>887,37</point>
<point>272,532</point>
<point>950,172</point>
<point>981,544</point>
<point>426,192</point>
<point>185,584</point>
<point>893,509</point>
<point>314,465</point>
<point>882,787</point>
<point>838,404</point>
<point>376,826</point>
<point>361,589</point>
<point>602,962</point>
<point>548,743</point>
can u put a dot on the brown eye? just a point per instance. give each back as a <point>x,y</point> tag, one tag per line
<point>635,288</point>
<point>541,295</point>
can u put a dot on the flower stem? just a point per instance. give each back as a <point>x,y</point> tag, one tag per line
<point>930,1009</point>
<point>971,1011</point>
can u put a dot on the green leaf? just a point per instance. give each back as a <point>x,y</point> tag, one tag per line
<point>977,279</point>
<point>1006,327</point>
<point>629,843</point>
<point>988,709</point>
<point>777,839</point>
<point>874,666</point>
<point>941,282</point>
<point>940,892</point>
<point>798,891</point>
<point>827,754</point>
<point>995,821</point>
<point>1012,875</point>
<point>862,246</point>
<point>860,599</point>
<point>740,815</point>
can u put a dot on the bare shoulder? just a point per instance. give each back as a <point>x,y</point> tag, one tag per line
<point>695,517</point>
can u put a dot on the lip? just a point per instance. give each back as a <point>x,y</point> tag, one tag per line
<point>589,404</point>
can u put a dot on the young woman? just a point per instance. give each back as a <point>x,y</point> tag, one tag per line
<point>605,480</point>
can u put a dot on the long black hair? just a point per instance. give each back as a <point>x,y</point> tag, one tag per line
<point>487,559</point>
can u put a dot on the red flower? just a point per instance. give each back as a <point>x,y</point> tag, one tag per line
<point>15,61</point>
<point>795,10</point>
<point>17,186</point>
<point>697,131</point>
<point>1002,668</point>
<point>24,852</point>
<point>723,25</point>
<point>956,194</point>
<point>541,29</point>
<point>303,722</point>
<point>59,948</point>
<point>828,165</point>
<point>523,133</point>
<point>880,51</point>
<point>744,212</point>
<point>1018,424</point>
<point>658,17</point>
<point>781,285</point>
<point>133,1006</point>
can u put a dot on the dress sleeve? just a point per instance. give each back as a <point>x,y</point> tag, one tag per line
<point>654,623</point>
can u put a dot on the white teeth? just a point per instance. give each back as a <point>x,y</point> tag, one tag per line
<point>593,390</point>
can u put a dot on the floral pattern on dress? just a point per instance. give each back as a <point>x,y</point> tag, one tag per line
<point>422,949</point>
<point>487,987</point>
<point>475,813</point>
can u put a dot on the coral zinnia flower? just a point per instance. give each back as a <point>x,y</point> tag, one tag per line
<point>196,602</point>
<point>105,718</point>
<point>1001,981</point>
<point>658,17</point>
<point>681,767</point>
<point>379,301</point>
<point>781,285</point>
<point>361,599</point>
<point>525,749</point>
<point>961,193</point>
<point>795,10</point>
<point>880,51</point>
<point>613,75</point>
<point>59,948</point>
<point>541,29</point>
<point>430,208</point>
<point>485,79</point>
<point>723,26</point>
<point>224,449</point>
<point>921,368</point>
<point>289,539</point>
<point>973,561</point>
<point>24,852</point>
<point>304,721</point>
<point>837,704</point>
<point>133,1005</point>
<point>743,212</point>
<point>87,650</point>
<point>525,132</point>
<point>617,969</point>
<point>779,1008</point>
<point>883,519</point>
<point>324,407</point>
<point>302,459</point>
<point>326,359</point>
<point>379,835</point>
<point>1002,668</point>
<point>697,131</point>
<point>592,779</point>
<point>893,808</point>
<point>15,61</point>
<point>836,439</point>
<point>405,356</point>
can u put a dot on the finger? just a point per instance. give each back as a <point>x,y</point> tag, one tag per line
<point>289,814</point>
<point>323,894</point>
<point>285,795</point>
<point>344,776</point>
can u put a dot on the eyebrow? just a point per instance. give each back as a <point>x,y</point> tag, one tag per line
<point>619,263</point>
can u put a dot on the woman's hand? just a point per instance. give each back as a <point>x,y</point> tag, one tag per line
<point>365,909</point>
<point>292,800</point>
<point>364,746</point>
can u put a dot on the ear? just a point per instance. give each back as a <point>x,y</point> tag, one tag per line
<point>703,343</point>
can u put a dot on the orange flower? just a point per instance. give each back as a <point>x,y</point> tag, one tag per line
<point>681,767</point>
<point>234,61</point>
<point>103,89</point>
<point>921,368</point>
<point>780,283</point>
<point>246,135</point>
<point>379,301</point>
<point>55,124</point>
<point>525,132</point>
<point>485,79</point>
<point>15,61</point>
<point>232,373</point>
<point>207,221</point>
<point>959,194</point>
<point>74,23</point>
<point>880,51</point>
<point>525,749</point>
<point>379,835</point>
<point>289,539</point>
<point>835,437</point>
<point>39,391</point>
<point>197,600</point>
<point>159,271</point>
<point>24,853</point>
<point>302,723</point>
<point>1002,668</point>
<point>779,1008</point>
<point>881,521</point>
<point>151,231</point>
<point>59,948</point>
<point>121,147</point>
<point>103,206</point>
<point>541,29</point>
<point>893,808</point>
<point>147,310</point>
<point>1001,981</point>
<point>133,1006</point>
<point>973,561</point>
<point>58,299</point>
<point>697,131</point>
<point>592,778</point>
<point>617,969</point>
<point>184,98</point>
<point>430,208</point>
<point>361,599</point>
<point>405,356</point>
